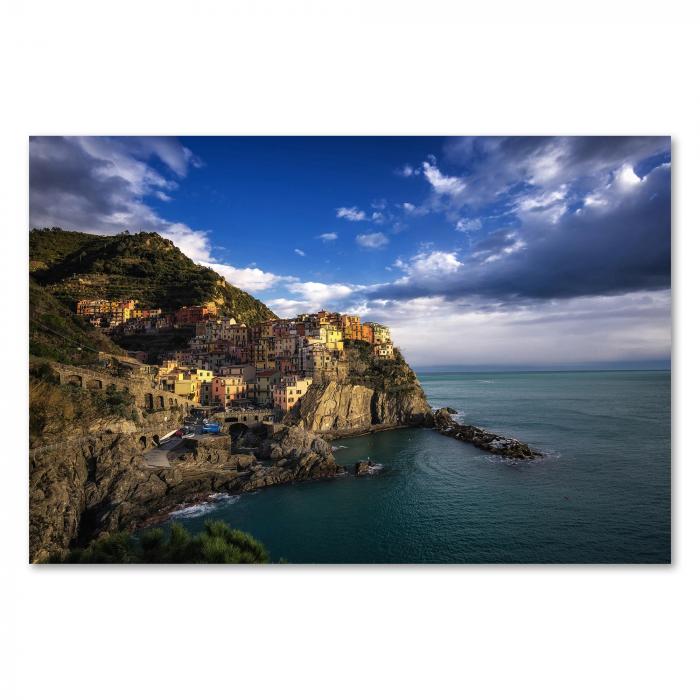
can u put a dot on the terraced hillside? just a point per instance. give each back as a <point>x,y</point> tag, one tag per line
<point>72,265</point>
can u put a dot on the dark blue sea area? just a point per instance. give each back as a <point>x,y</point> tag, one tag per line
<point>601,493</point>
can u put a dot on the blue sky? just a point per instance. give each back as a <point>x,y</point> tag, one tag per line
<point>537,251</point>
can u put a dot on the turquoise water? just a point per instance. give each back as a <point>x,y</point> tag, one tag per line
<point>602,493</point>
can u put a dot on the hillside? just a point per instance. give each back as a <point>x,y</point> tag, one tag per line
<point>56,333</point>
<point>72,265</point>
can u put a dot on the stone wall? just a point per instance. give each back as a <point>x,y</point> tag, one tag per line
<point>148,396</point>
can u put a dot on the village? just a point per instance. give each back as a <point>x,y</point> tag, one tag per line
<point>231,366</point>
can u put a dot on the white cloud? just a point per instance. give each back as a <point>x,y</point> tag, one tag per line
<point>429,264</point>
<point>300,252</point>
<point>514,245</point>
<point>627,177</point>
<point>194,244</point>
<point>350,213</point>
<point>372,240</point>
<point>442,184</point>
<point>320,293</point>
<point>550,205</point>
<point>377,217</point>
<point>288,308</point>
<point>407,171</point>
<point>468,225</point>
<point>594,199</point>
<point>328,237</point>
<point>432,330</point>
<point>251,279</point>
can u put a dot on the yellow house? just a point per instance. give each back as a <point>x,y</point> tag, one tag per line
<point>203,375</point>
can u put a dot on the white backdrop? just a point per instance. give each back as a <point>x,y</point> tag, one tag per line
<point>348,68</point>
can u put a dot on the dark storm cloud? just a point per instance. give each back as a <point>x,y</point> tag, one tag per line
<point>618,240</point>
<point>98,184</point>
<point>70,188</point>
<point>545,159</point>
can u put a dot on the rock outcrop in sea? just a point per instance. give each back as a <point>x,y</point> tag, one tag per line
<point>445,424</point>
<point>364,467</point>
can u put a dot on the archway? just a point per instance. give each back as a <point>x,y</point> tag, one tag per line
<point>94,384</point>
<point>161,402</point>
<point>143,442</point>
<point>74,379</point>
<point>148,402</point>
<point>235,430</point>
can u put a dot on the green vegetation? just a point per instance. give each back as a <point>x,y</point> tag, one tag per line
<point>217,544</point>
<point>381,374</point>
<point>143,266</point>
<point>56,333</point>
<point>55,409</point>
<point>48,250</point>
<point>157,343</point>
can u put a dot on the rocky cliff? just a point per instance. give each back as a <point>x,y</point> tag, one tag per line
<point>378,394</point>
<point>334,409</point>
<point>100,484</point>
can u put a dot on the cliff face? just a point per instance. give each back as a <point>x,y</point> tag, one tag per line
<point>378,394</point>
<point>79,491</point>
<point>336,409</point>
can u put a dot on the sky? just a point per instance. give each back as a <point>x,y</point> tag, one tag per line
<point>476,251</point>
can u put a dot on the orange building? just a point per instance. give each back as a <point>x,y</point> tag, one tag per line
<point>191,315</point>
<point>224,390</point>
<point>351,327</point>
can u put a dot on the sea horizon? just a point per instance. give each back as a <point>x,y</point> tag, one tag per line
<point>476,369</point>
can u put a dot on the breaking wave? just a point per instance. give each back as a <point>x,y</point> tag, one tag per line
<point>198,509</point>
<point>338,447</point>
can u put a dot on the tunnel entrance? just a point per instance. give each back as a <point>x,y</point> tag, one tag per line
<point>237,429</point>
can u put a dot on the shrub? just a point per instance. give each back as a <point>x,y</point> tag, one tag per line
<point>217,544</point>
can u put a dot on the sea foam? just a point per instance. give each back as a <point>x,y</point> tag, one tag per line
<point>198,509</point>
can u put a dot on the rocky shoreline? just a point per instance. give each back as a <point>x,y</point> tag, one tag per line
<point>489,442</point>
<point>103,485</point>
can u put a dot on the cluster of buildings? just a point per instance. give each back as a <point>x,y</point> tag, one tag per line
<point>127,317</point>
<point>273,363</point>
<point>106,313</point>
<point>229,364</point>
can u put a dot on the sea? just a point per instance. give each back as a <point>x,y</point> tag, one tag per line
<point>601,493</point>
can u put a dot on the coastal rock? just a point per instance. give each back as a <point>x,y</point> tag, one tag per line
<point>490,442</point>
<point>335,409</point>
<point>364,467</point>
<point>100,485</point>
<point>212,449</point>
